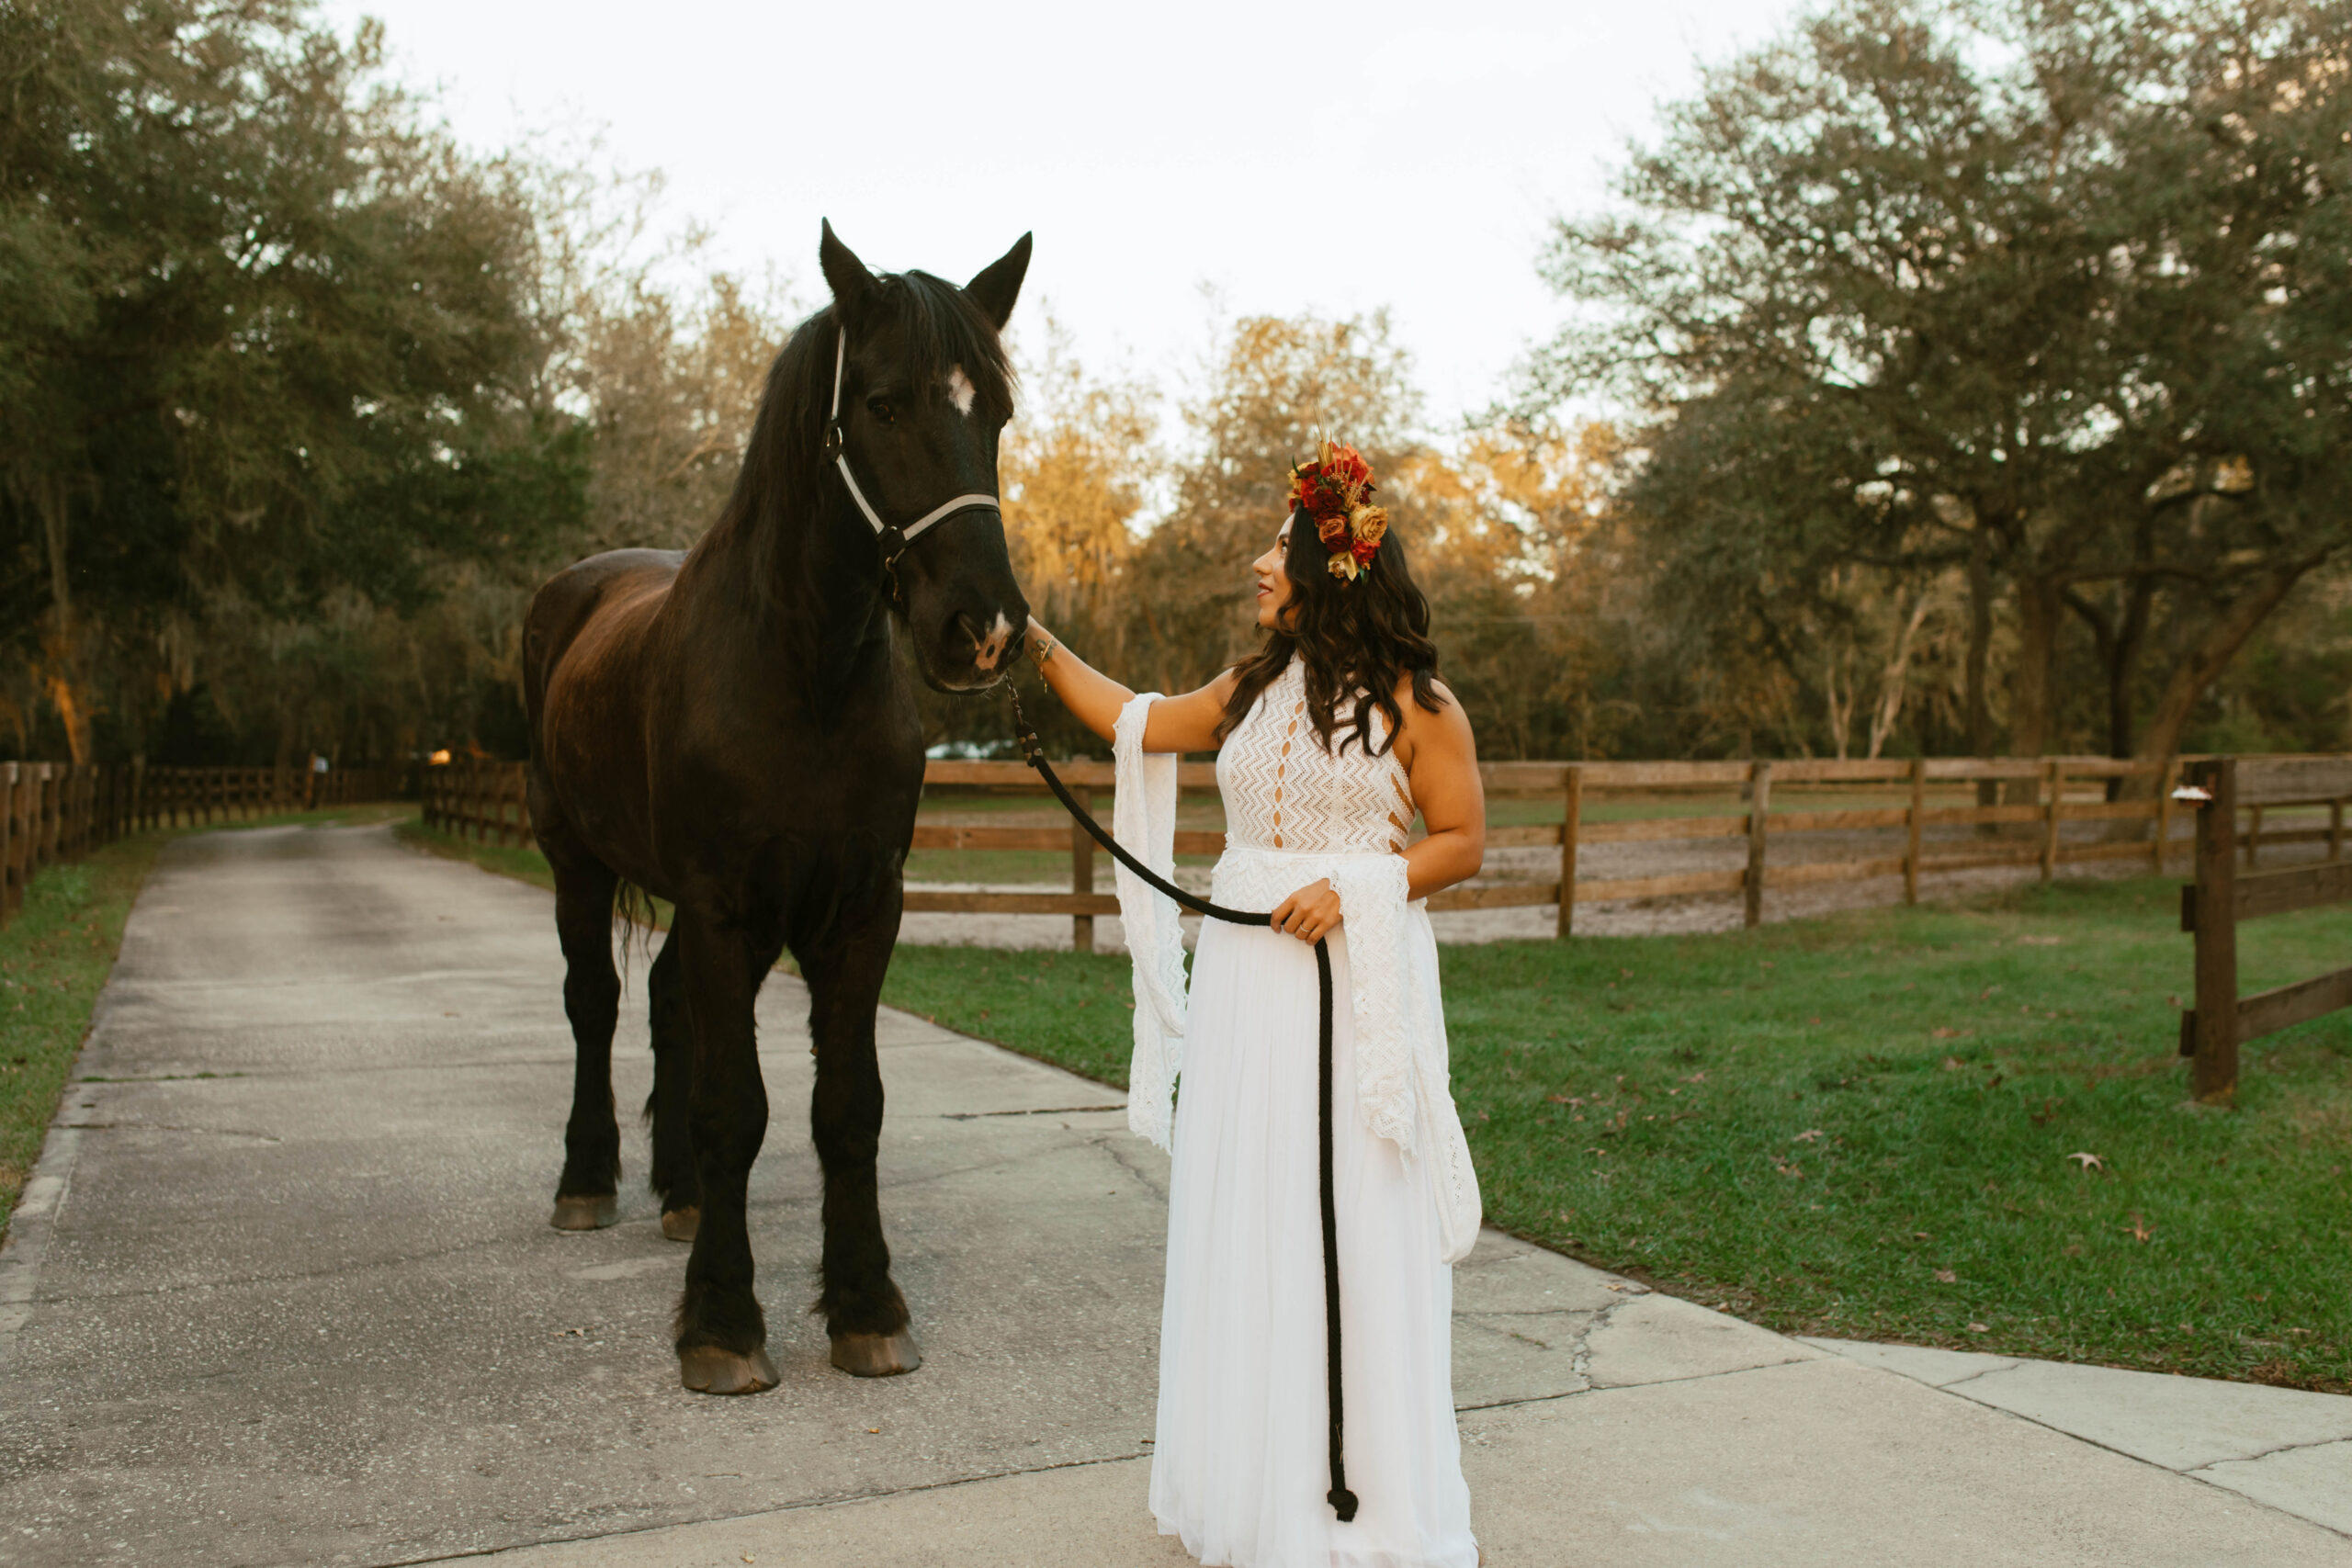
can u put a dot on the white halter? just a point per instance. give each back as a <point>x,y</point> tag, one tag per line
<point>894,541</point>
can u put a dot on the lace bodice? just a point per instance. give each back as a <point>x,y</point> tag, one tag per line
<point>1283,790</point>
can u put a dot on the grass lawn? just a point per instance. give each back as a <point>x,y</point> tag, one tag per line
<point>54,958</point>
<point>1865,1125</point>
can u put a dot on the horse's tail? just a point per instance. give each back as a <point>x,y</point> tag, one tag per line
<point>634,919</point>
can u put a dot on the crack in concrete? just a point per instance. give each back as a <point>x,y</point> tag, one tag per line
<point>1984,1373</point>
<point>2197,1476</point>
<point>1043,1110</point>
<point>165,1127</point>
<point>1142,1178</point>
<point>2282,1448</point>
<point>850,1500</point>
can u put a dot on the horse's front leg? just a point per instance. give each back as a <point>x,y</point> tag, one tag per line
<point>864,1314</point>
<point>722,1335</point>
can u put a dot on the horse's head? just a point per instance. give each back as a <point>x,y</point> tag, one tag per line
<point>924,392</point>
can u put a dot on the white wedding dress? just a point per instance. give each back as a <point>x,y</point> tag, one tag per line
<point>1240,1469</point>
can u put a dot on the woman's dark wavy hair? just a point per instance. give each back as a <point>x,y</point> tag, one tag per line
<point>1355,637</point>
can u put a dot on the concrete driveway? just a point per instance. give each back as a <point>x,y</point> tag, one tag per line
<point>282,1291</point>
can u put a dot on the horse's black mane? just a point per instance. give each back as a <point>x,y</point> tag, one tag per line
<point>784,464</point>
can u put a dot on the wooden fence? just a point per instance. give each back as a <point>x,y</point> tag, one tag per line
<point>481,801</point>
<point>52,812</point>
<point>2049,786</point>
<point>2221,895</point>
<point>2039,798</point>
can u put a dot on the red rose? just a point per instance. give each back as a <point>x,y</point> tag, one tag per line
<point>1364,551</point>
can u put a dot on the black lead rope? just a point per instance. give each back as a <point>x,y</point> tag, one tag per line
<point>1342,1501</point>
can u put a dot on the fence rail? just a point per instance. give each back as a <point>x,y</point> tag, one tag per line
<point>2022,808</point>
<point>54,812</point>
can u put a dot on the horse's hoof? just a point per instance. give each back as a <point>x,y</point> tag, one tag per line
<point>680,1224</point>
<point>707,1369</point>
<point>585,1213</point>
<point>876,1355</point>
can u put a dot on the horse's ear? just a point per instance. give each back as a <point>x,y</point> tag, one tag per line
<point>851,284</point>
<point>996,286</point>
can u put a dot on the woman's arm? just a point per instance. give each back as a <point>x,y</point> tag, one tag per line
<point>1440,758</point>
<point>1175,724</point>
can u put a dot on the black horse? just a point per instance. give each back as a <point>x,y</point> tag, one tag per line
<point>728,728</point>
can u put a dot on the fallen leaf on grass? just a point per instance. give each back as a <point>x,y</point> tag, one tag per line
<point>1980,1328</point>
<point>1946,1277</point>
<point>1787,1170</point>
<point>1567,1098</point>
<point>1807,1135</point>
<point>1954,1065</point>
<point>2089,1161</point>
<point>2039,940</point>
<point>1946,1033</point>
<point>2137,1230</point>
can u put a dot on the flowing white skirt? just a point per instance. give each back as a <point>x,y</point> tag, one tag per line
<point>1239,1468</point>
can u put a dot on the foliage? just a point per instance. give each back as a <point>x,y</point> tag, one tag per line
<point>2033,305</point>
<point>278,377</point>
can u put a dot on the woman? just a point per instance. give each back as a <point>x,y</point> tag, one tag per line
<point>1329,738</point>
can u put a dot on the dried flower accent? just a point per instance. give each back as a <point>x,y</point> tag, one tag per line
<point>1334,490</point>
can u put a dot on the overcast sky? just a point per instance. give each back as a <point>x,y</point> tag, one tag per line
<point>1287,156</point>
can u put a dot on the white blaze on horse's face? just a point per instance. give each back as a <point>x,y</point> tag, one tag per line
<point>987,650</point>
<point>959,391</point>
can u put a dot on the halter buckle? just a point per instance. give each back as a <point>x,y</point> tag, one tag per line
<point>834,439</point>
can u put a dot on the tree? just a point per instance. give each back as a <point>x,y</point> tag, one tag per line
<point>2043,296</point>
<point>277,363</point>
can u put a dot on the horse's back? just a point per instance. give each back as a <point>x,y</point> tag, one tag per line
<point>618,585</point>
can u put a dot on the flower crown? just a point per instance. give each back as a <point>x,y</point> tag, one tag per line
<point>1334,490</point>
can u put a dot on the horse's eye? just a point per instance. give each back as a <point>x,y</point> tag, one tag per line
<point>881,410</point>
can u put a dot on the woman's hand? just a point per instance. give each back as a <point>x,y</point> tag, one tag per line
<point>1310,914</point>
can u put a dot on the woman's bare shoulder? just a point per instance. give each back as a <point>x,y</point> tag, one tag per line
<point>1447,728</point>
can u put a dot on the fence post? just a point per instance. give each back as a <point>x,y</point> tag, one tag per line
<point>2163,845</point>
<point>2213,1075</point>
<point>44,840</point>
<point>19,838</point>
<point>1760,802</point>
<point>1914,822</point>
<point>1081,874</point>
<point>8,840</point>
<point>2053,783</point>
<point>1571,819</point>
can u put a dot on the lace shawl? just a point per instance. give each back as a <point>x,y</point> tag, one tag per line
<point>1143,819</point>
